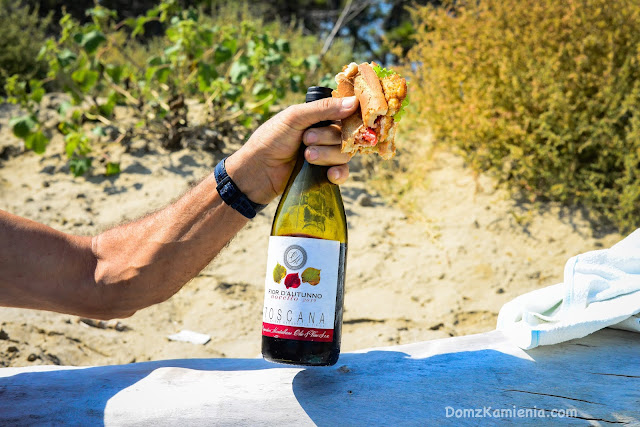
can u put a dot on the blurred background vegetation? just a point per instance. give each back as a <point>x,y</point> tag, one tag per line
<point>544,95</point>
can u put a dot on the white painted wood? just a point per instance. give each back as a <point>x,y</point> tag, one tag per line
<point>599,376</point>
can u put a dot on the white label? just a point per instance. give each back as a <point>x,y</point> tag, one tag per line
<point>300,288</point>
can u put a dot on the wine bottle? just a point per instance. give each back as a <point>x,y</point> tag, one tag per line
<point>304,286</point>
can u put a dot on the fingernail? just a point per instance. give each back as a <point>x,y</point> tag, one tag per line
<point>347,103</point>
<point>335,173</point>
<point>311,137</point>
<point>312,154</point>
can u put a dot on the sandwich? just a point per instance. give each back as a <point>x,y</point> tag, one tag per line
<point>382,95</point>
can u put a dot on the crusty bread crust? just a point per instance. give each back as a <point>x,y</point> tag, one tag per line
<point>350,128</point>
<point>369,92</point>
<point>352,124</point>
<point>387,146</point>
<point>344,80</point>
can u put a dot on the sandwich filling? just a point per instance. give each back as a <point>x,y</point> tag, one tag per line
<point>382,94</point>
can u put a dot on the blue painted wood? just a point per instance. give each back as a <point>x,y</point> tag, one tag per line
<point>445,381</point>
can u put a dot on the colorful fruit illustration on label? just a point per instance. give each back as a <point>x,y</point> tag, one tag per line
<point>311,276</point>
<point>292,280</point>
<point>279,272</point>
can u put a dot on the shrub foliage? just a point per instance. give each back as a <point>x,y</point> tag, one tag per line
<point>22,33</point>
<point>238,71</point>
<point>545,94</point>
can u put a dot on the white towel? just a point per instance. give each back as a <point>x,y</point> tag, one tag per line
<point>601,288</point>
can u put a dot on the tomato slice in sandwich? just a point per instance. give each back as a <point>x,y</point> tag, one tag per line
<point>370,136</point>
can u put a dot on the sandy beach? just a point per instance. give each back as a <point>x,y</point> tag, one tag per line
<point>442,270</point>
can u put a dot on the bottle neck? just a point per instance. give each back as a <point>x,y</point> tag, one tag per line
<point>316,172</point>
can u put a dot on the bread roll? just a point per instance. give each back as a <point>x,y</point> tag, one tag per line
<point>369,92</point>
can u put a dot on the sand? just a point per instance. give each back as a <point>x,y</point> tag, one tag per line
<point>442,270</point>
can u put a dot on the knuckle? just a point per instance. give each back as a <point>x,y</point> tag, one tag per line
<point>326,104</point>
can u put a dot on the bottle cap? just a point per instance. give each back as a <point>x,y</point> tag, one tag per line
<point>315,93</point>
<point>318,92</point>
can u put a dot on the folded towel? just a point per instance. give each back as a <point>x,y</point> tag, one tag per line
<point>600,289</point>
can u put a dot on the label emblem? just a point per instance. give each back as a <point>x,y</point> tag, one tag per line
<point>295,257</point>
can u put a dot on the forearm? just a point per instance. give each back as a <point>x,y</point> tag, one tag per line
<point>147,261</point>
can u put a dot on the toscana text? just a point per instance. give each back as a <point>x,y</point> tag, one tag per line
<point>290,317</point>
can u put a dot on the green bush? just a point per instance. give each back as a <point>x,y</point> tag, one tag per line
<point>544,94</point>
<point>22,33</point>
<point>239,69</point>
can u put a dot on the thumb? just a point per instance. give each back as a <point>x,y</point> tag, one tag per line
<point>301,116</point>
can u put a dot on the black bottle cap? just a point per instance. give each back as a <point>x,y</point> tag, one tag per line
<point>318,92</point>
<point>315,93</point>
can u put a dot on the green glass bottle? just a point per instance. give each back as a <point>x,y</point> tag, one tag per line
<point>304,286</point>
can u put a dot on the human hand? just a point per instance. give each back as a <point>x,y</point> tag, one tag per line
<point>262,166</point>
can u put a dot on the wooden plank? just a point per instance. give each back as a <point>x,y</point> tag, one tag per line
<point>424,383</point>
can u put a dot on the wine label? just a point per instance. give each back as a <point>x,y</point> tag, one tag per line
<point>300,288</point>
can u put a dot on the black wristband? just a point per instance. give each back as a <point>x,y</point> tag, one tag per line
<point>231,194</point>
